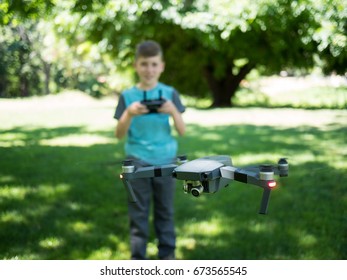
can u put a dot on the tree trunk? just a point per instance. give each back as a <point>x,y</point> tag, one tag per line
<point>23,54</point>
<point>3,85</point>
<point>24,85</point>
<point>223,89</point>
<point>23,76</point>
<point>47,72</point>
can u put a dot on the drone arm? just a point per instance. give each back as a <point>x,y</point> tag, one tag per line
<point>240,175</point>
<point>250,177</point>
<point>150,172</point>
<point>130,173</point>
<point>245,176</point>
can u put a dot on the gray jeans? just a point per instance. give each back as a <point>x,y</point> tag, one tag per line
<point>161,190</point>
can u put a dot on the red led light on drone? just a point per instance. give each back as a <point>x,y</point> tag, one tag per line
<point>271,184</point>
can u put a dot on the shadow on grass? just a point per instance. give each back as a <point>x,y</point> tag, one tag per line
<point>66,202</point>
<point>60,202</point>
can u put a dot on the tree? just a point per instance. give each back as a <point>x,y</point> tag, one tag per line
<point>211,46</point>
<point>21,60</point>
<point>14,11</point>
<point>19,65</point>
<point>34,61</point>
<point>331,35</point>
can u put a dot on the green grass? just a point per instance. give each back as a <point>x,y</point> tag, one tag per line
<point>61,198</point>
<point>313,98</point>
<point>307,218</point>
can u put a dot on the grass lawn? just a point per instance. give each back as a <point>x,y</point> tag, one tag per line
<point>61,198</point>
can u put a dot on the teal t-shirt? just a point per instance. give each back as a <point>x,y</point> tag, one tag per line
<point>149,135</point>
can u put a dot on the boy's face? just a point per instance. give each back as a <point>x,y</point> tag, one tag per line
<point>149,70</point>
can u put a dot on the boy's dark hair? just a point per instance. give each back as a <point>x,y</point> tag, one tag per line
<point>148,49</point>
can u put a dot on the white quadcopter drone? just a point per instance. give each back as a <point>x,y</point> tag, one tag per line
<point>208,175</point>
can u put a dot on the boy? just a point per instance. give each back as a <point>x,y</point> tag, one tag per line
<point>149,141</point>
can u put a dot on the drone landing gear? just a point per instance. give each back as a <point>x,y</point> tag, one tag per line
<point>265,201</point>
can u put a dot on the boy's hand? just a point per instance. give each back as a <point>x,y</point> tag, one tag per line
<point>167,108</point>
<point>137,108</point>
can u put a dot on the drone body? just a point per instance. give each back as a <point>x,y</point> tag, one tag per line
<point>203,174</point>
<point>208,175</point>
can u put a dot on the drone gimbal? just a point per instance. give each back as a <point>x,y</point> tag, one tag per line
<point>208,175</point>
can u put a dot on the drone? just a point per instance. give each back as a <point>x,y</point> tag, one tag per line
<point>209,175</point>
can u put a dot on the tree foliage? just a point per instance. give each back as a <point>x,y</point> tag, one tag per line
<point>34,60</point>
<point>17,11</point>
<point>210,46</point>
<point>19,65</point>
<point>331,35</point>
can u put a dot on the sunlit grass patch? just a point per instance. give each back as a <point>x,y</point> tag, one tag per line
<point>82,140</point>
<point>188,243</point>
<point>152,249</point>
<point>9,139</point>
<point>80,226</point>
<point>322,97</point>
<point>51,242</point>
<point>47,191</point>
<point>13,192</point>
<point>13,216</point>
<point>306,239</point>
<point>260,227</point>
<point>103,253</point>
<point>210,227</point>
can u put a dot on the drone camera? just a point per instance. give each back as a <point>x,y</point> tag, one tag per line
<point>197,191</point>
<point>193,187</point>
